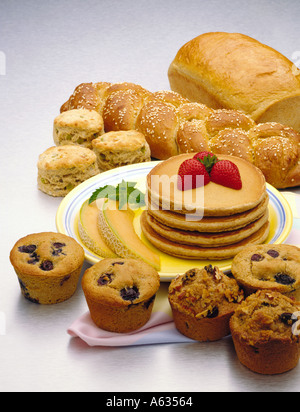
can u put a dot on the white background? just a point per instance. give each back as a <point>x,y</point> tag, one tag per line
<point>50,47</point>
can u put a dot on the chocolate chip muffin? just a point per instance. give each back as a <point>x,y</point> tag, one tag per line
<point>265,331</point>
<point>272,267</point>
<point>120,293</point>
<point>202,302</point>
<point>48,266</point>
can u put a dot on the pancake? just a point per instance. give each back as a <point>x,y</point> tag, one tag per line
<point>198,252</point>
<point>209,200</point>
<point>209,223</point>
<point>205,239</point>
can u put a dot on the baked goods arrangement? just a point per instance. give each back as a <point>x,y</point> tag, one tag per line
<point>173,125</point>
<point>235,71</point>
<point>205,201</point>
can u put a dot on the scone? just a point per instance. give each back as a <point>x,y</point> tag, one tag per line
<point>202,302</point>
<point>78,126</point>
<point>48,266</point>
<point>121,148</point>
<point>265,332</point>
<point>120,293</point>
<point>273,267</point>
<point>61,168</point>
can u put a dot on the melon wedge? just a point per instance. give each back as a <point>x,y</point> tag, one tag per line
<point>117,229</point>
<point>89,233</point>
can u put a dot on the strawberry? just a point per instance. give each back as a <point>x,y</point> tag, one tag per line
<point>226,173</point>
<point>188,172</point>
<point>208,159</point>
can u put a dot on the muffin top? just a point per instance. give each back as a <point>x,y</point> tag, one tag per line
<point>81,119</point>
<point>206,292</point>
<point>265,316</point>
<point>120,282</point>
<point>275,267</point>
<point>51,254</point>
<point>66,157</point>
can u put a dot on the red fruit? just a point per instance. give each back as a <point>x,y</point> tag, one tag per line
<point>188,172</point>
<point>226,173</point>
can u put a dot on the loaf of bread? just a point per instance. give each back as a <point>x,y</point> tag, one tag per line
<point>173,125</point>
<point>234,71</point>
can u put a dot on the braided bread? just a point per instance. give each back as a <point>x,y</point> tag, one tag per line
<point>174,125</point>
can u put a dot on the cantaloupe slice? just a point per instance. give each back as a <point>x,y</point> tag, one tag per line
<point>89,233</point>
<point>116,227</point>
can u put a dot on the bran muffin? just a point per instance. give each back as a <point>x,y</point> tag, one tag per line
<point>202,302</point>
<point>120,293</point>
<point>61,168</point>
<point>265,331</point>
<point>48,266</point>
<point>273,267</point>
<point>121,148</point>
<point>77,126</point>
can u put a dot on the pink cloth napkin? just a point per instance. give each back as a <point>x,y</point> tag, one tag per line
<point>159,329</point>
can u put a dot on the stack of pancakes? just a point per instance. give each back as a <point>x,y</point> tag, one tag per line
<point>212,222</point>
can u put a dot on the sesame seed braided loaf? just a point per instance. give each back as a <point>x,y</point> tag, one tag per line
<point>173,125</point>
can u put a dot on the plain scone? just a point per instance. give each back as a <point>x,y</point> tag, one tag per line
<point>121,148</point>
<point>234,71</point>
<point>78,126</point>
<point>61,168</point>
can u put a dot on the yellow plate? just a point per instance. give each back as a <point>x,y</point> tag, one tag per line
<point>281,217</point>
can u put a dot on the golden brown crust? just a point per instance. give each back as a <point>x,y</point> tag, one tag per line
<point>260,76</point>
<point>173,125</point>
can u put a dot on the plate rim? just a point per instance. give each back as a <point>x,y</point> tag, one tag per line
<point>281,201</point>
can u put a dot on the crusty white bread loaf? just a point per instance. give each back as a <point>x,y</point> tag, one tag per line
<point>173,125</point>
<point>234,71</point>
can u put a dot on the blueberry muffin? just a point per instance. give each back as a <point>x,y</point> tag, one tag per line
<point>120,293</point>
<point>272,267</point>
<point>48,266</point>
<point>121,148</point>
<point>61,168</point>
<point>265,331</point>
<point>202,302</point>
<point>78,126</point>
